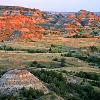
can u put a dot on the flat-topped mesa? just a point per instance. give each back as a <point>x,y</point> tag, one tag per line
<point>14,80</point>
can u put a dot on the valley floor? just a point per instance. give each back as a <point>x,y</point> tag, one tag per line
<point>70,63</point>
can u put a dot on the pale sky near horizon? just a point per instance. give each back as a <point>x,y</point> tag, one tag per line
<point>56,5</point>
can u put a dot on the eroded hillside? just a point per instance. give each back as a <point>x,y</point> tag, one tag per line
<point>19,23</point>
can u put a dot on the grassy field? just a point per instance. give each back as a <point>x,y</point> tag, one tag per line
<point>46,43</point>
<point>17,59</point>
<point>20,58</point>
<point>57,64</point>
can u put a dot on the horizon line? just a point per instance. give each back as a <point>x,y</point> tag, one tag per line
<point>47,10</point>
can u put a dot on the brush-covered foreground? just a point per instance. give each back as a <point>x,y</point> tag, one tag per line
<point>69,72</point>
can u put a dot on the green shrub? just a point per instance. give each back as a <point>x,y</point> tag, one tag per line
<point>31,93</point>
<point>36,51</point>
<point>10,49</point>
<point>55,59</point>
<point>84,22</point>
<point>63,62</point>
<point>23,94</point>
<point>58,84</point>
<point>90,75</point>
<point>36,64</point>
<point>93,48</point>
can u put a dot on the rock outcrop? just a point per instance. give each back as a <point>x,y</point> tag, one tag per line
<point>14,80</point>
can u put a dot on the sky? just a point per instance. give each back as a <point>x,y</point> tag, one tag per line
<point>56,5</point>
